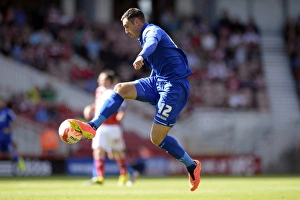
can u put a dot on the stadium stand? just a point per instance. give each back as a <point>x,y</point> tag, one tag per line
<point>225,58</point>
<point>291,35</point>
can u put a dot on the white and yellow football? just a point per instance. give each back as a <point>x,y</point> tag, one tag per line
<point>68,134</point>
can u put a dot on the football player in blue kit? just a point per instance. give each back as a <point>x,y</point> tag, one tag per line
<point>7,119</point>
<point>167,88</point>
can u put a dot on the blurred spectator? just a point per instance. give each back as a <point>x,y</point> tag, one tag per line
<point>209,41</point>
<point>251,24</point>
<point>48,93</point>
<point>49,141</point>
<point>169,20</point>
<point>138,163</point>
<point>42,115</point>
<point>224,22</point>
<point>251,37</point>
<point>233,82</point>
<point>34,94</point>
<point>193,59</point>
<point>236,25</point>
<point>291,35</point>
<point>217,69</point>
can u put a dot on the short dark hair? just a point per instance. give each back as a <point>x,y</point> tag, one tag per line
<point>133,13</point>
<point>110,75</point>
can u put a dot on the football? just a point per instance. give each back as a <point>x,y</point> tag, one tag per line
<point>67,134</point>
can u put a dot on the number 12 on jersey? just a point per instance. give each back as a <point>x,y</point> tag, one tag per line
<point>164,109</point>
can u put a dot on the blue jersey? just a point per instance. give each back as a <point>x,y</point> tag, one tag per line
<point>165,58</point>
<point>168,87</point>
<point>6,119</point>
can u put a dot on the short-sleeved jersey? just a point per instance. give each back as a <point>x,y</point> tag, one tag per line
<point>101,95</point>
<point>7,117</point>
<point>167,61</point>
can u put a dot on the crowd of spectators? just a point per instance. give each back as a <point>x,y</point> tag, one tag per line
<point>39,104</point>
<point>225,57</point>
<point>75,50</point>
<point>291,34</point>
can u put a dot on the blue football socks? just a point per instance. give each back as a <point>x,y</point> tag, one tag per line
<point>130,169</point>
<point>94,172</point>
<point>173,148</point>
<point>109,107</point>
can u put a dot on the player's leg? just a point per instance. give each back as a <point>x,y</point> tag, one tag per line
<point>173,97</point>
<point>159,136</point>
<point>127,175</point>
<point>112,104</point>
<point>8,150</point>
<point>122,91</point>
<point>119,157</point>
<point>16,157</point>
<point>99,160</point>
<point>4,149</point>
<point>117,144</point>
<point>98,146</point>
<point>98,169</point>
<point>133,174</point>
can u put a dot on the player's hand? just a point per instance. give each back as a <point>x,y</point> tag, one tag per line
<point>138,63</point>
<point>88,112</point>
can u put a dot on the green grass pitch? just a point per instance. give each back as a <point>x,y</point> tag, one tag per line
<point>166,188</point>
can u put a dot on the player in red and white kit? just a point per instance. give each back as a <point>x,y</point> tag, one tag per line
<point>109,138</point>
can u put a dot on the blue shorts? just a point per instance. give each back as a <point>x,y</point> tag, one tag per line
<point>169,97</point>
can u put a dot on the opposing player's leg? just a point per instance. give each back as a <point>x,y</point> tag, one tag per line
<point>99,160</point>
<point>117,145</point>
<point>98,145</point>
<point>95,179</point>
<point>124,176</point>
<point>119,157</point>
